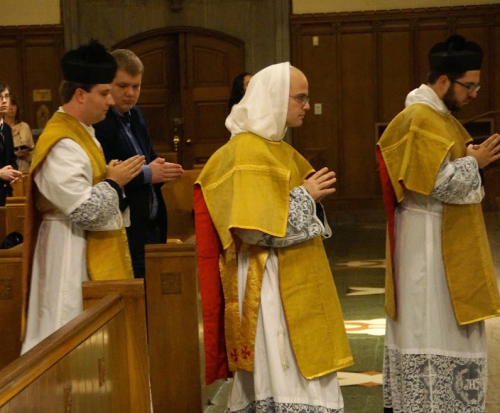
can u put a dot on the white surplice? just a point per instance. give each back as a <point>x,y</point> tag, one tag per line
<point>431,363</point>
<point>64,185</point>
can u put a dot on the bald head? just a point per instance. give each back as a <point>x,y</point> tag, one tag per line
<point>298,101</point>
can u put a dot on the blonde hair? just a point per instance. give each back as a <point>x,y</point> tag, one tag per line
<point>128,61</point>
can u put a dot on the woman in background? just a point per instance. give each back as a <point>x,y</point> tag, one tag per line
<point>21,135</point>
<point>240,84</point>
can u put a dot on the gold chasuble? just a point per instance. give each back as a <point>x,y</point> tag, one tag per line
<point>108,256</point>
<point>246,184</point>
<point>413,148</point>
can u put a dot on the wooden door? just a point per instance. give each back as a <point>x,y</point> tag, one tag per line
<point>188,73</point>
<point>211,64</point>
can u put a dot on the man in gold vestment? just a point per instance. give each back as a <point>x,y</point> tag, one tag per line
<point>259,225</point>
<point>440,279</point>
<point>76,213</point>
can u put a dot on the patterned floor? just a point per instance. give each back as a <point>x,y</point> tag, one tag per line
<point>356,254</point>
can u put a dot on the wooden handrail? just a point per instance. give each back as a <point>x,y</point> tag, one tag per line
<point>23,371</point>
<point>125,288</point>
<point>186,246</point>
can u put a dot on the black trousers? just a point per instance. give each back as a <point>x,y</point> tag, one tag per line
<point>137,239</point>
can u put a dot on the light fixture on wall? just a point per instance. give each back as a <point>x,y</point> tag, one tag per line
<point>176,5</point>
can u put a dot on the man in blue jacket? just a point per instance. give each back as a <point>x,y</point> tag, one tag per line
<point>125,133</point>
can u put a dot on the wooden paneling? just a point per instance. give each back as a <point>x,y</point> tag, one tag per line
<point>361,71</point>
<point>31,61</point>
<point>318,134</point>
<point>358,95</point>
<point>394,64</point>
<point>424,40</point>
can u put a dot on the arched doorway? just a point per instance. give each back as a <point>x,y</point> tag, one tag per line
<point>188,73</point>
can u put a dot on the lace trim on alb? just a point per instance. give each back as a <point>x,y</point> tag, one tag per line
<point>433,383</point>
<point>270,406</point>
<point>303,223</point>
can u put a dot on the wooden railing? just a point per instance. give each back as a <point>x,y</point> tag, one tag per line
<point>132,293</point>
<point>82,367</point>
<point>10,304</point>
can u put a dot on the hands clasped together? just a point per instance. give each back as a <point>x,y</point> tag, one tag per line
<point>319,184</point>
<point>486,152</point>
<point>11,175</point>
<point>122,172</point>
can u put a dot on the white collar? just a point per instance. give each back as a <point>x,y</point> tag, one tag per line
<point>426,95</point>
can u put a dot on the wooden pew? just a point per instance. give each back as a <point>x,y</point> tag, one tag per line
<point>173,327</point>
<point>132,293</point>
<point>178,196</point>
<point>173,317</point>
<point>10,304</point>
<point>83,367</point>
<point>12,216</point>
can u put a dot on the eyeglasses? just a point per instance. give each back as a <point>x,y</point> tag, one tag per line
<point>5,97</point>
<point>302,98</point>
<point>471,87</point>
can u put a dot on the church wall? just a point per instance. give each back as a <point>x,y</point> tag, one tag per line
<point>262,25</point>
<point>337,6</point>
<point>29,12</point>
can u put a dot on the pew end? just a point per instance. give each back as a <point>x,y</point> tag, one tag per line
<point>10,303</point>
<point>81,367</point>
<point>174,333</point>
<point>133,297</point>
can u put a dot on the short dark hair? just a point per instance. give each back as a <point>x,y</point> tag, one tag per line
<point>3,86</point>
<point>67,90</point>
<point>432,77</point>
